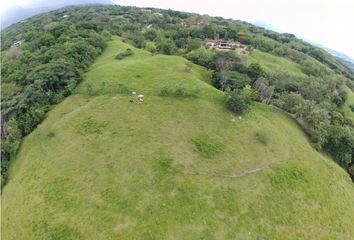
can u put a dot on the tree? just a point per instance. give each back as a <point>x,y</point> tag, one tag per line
<point>238,101</point>
<point>150,46</point>
<point>255,71</point>
<point>341,144</point>
<point>193,44</point>
<point>151,34</point>
<point>166,46</point>
<point>265,91</point>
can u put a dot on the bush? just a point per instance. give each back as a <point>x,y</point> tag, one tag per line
<point>126,53</point>
<point>181,91</point>
<point>123,89</point>
<point>238,101</point>
<point>165,91</point>
<point>262,138</point>
<point>197,89</point>
<point>235,102</point>
<point>150,46</point>
<point>89,126</point>
<point>255,71</point>
<point>351,107</point>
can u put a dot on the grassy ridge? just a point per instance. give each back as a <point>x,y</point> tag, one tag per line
<point>100,167</point>
<point>274,63</point>
<point>350,101</point>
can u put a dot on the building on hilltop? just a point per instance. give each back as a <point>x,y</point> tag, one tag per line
<point>17,43</point>
<point>222,44</point>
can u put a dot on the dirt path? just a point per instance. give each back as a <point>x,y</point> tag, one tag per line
<point>235,175</point>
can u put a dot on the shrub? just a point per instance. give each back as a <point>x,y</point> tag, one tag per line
<point>255,71</point>
<point>123,89</point>
<point>89,89</point>
<point>50,135</point>
<point>89,126</point>
<point>180,91</point>
<point>165,91</point>
<point>235,102</point>
<point>262,138</point>
<point>197,89</point>
<point>126,53</point>
<point>151,47</point>
<point>289,177</point>
<point>188,67</point>
<point>238,101</point>
<point>351,107</point>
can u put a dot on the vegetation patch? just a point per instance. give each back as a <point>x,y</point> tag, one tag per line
<point>351,107</point>
<point>90,126</point>
<point>290,177</point>
<point>126,53</point>
<point>43,230</point>
<point>161,166</point>
<point>262,138</point>
<point>207,147</point>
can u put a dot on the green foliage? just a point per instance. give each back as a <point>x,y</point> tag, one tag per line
<point>165,91</point>
<point>126,53</point>
<point>288,178</point>
<point>202,57</point>
<point>193,44</point>
<point>90,126</point>
<point>262,138</point>
<point>106,35</point>
<point>351,107</point>
<point>207,147</point>
<point>150,46</point>
<point>238,101</point>
<point>340,144</point>
<point>166,46</point>
<point>255,71</point>
<point>180,91</point>
<point>151,34</point>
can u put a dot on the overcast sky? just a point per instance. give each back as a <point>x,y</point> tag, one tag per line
<point>327,22</point>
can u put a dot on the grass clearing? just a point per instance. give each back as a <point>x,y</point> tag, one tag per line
<point>274,63</point>
<point>350,102</point>
<point>123,179</point>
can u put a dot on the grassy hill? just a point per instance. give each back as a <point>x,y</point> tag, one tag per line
<point>101,167</point>
<point>350,101</point>
<point>272,62</point>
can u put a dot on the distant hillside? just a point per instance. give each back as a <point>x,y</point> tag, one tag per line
<point>17,13</point>
<point>348,61</point>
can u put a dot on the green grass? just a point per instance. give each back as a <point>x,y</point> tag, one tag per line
<point>101,167</point>
<point>274,63</point>
<point>350,101</point>
<point>207,147</point>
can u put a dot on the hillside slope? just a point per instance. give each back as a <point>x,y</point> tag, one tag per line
<point>101,167</point>
<point>350,102</point>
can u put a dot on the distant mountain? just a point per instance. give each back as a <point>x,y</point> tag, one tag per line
<point>266,25</point>
<point>343,58</point>
<point>17,13</point>
<point>346,60</point>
